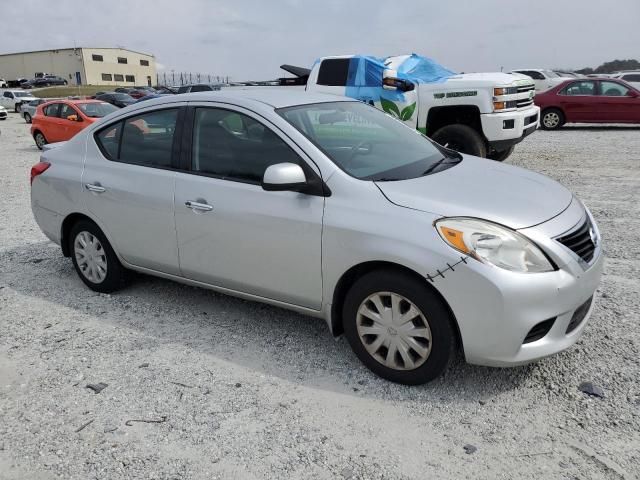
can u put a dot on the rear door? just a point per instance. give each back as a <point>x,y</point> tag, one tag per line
<point>580,101</point>
<point>128,181</point>
<point>618,104</point>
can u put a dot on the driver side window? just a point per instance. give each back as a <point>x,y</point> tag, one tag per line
<point>613,89</point>
<point>234,146</point>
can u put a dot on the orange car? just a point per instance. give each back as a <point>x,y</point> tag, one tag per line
<point>59,120</point>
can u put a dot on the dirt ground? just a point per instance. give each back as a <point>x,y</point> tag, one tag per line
<point>205,386</point>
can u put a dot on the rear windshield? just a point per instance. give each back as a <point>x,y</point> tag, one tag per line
<point>96,110</point>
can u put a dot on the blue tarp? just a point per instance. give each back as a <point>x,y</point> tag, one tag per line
<point>364,80</point>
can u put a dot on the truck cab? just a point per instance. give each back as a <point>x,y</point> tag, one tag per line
<point>482,114</point>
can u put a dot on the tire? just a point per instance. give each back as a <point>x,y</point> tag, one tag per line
<point>27,118</point>
<point>436,352</point>
<point>17,107</point>
<point>502,155</point>
<point>40,140</point>
<point>552,119</point>
<point>99,268</point>
<point>461,138</point>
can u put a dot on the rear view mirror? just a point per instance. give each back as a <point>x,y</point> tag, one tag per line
<point>284,177</point>
<point>72,118</point>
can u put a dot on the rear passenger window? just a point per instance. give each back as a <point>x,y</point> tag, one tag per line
<point>142,140</point>
<point>334,72</point>
<point>51,110</point>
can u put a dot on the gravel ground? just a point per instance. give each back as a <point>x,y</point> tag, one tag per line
<point>218,387</point>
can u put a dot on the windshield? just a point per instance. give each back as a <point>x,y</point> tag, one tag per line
<point>551,74</point>
<point>123,97</point>
<point>96,110</point>
<point>365,142</point>
<point>22,94</point>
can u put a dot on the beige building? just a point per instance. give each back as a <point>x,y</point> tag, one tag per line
<point>86,66</point>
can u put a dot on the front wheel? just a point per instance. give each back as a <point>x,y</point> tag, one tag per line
<point>398,327</point>
<point>461,138</point>
<point>502,155</point>
<point>94,259</point>
<point>552,119</point>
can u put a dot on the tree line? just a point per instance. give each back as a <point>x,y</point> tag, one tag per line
<point>612,66</point>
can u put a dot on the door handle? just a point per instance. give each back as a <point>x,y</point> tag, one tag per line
<point>94,188</point>
<point>198,207</point>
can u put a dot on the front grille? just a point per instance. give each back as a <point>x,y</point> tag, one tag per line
<point>524,103</point>
<point>539,330</point>
<point>578,315</point>
<point>526,88</point>
<point>580,242</point>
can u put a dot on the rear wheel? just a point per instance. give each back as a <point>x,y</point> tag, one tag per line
<point>40,140</point>
<point>94,259</point>
<point>461,138</point>
<point>27,117</point>
<point>398,327</point>
<point>501,155</point>
<point>552,119</point>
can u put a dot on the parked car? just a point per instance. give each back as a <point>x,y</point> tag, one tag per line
<point>153,95</point>
<point>28,110</point>
<point>632,78</point>
<point>544,79</point>
<point>116,98</point>
<point>163,89</point>
<point>135,93</point>
<point>146,88</point>
<point>330,207</point>
<point>199,87</point>
<point>3,113</point>
<point>13,99</point>
<point>3,83</point>
<point>589,100</point>
<point>60,120</point>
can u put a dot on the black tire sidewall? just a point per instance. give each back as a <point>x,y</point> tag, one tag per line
<point>115,271</point>
<point>35,135</point>
<point>436,313</point>
<point>27,118</point>
<point>470,141</point>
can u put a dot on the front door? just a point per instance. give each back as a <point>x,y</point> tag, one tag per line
<point>234,234</point>
<point>618,103</point>
<point>580,101</point>
<point>128,185</point>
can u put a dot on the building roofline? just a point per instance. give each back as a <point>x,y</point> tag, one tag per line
<point>77,48</point>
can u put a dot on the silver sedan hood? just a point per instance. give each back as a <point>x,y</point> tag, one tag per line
<point>481,188</point>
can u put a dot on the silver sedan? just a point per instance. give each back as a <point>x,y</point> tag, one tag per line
<point>334,209</point>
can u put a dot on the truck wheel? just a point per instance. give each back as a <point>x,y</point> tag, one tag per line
<point>461,138</point>
<point>552,119</point>
<point>502,155</point>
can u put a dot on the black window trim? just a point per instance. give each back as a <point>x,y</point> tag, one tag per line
<point>175,145</point>
<point>314,178</point>
<point>96,56</point>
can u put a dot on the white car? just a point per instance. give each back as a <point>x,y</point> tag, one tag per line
<point>3,83</point>
<point>632,77</point>
<point>543,79</point>
<point>13,99</point>
<point>3,113</point>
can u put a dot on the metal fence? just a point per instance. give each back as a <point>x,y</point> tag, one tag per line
<point>186,78</point>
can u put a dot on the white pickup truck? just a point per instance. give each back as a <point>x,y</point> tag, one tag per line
<point>13,99</point>
<point>482,114</point>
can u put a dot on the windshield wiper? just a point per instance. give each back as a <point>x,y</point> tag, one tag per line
<point>440,162</point>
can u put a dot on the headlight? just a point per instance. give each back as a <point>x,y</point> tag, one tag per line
<point>493,244</point>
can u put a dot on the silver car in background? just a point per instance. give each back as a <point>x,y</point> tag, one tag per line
<point>28,110</point>
<point>334,209</point>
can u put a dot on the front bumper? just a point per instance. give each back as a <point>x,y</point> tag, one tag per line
<point>497,309</point>
<point>505,129</point>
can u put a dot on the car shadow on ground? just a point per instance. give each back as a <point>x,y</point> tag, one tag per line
<point>598,128</point>
<point>266,339</point>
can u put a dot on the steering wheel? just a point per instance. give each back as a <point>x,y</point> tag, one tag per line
<point>356,149</point>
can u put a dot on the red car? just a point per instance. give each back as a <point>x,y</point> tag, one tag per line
<point>589,100</point>
<point>59,120</point>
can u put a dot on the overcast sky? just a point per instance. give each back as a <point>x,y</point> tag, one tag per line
<point>249,39</point>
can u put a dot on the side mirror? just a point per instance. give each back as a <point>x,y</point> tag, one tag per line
<point>390,81</point>
<point>284,177</point>
<point>633,94</point>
